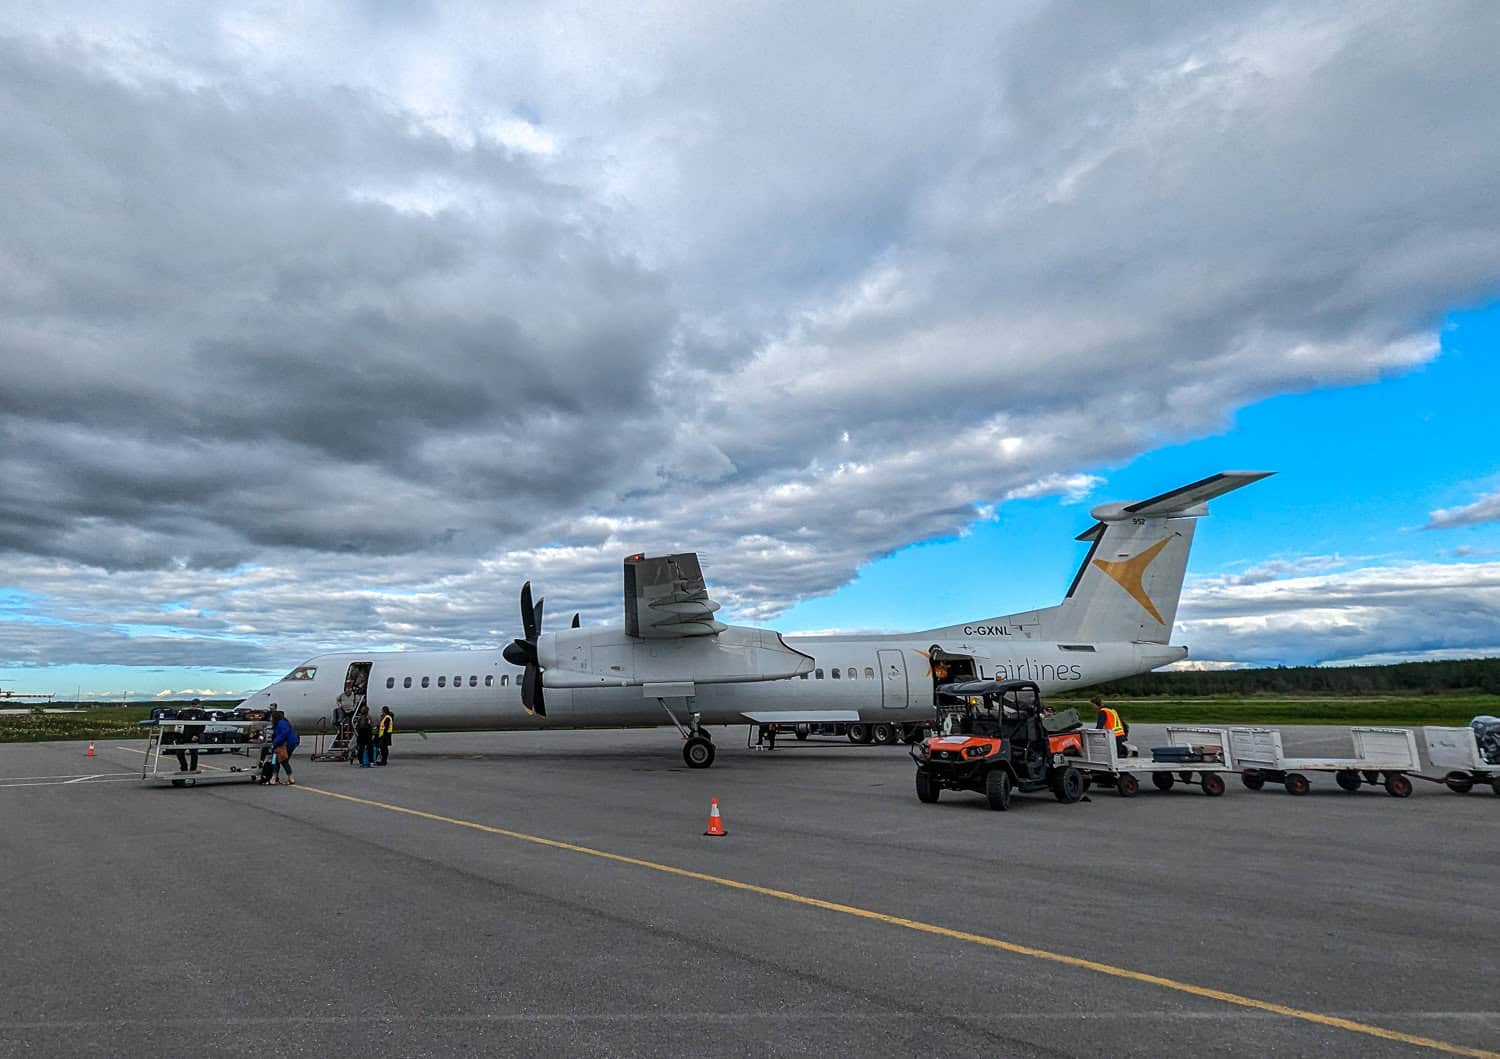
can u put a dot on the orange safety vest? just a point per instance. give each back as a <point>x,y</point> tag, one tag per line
<point>1113,723</point>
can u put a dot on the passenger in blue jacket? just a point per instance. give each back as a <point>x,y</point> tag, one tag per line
<point>284,740</point>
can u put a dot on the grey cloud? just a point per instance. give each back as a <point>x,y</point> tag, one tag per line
<point>1485,509</point>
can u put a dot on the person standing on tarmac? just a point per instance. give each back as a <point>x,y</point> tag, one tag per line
<point>189,734</point>
<point>364,738</point>
<point>383,733</point>
<point>1110,720</point>
<point>284,741</point>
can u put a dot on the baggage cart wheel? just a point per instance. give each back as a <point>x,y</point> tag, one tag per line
<point>1213,784</point>
<point>1348,779</point>
<point>1397,785</point>
<point>927,788</point>
<point>1067,785</point>
<point>1458,783</point>
<point>1296,783</point>
<point>1162,781</point>
<point>1126,785</point>
<point>1252,780</point>
<point>997,789</point>
<point>178,783</point>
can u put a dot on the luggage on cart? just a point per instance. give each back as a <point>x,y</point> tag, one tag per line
<point>1175,753</point>
<point>1487,735</point>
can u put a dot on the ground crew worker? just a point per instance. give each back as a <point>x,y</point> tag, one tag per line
<point>384,732</point>
<point>1110,720</point>
<point>189,734</point>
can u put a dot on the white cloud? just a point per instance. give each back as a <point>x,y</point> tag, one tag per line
<point>1485,509</point>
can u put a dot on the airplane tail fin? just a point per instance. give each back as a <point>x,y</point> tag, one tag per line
<point>1131,580</point>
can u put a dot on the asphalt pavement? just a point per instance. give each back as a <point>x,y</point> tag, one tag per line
<point>553,894</point>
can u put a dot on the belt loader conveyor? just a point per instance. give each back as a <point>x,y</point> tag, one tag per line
<point>1381,756</point>
<point>1102,763</point>
<point>1456,750</point>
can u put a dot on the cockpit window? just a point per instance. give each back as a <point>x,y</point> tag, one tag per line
<point>302,673</point>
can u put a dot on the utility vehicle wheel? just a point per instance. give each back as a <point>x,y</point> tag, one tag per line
<point>1459,783</point>
<point>1126,785</point>
<point>1253,780</point>
<point>698,752</point>
<point>1163,781</point>
<point>1067,785</point>
<point>1213,784</point>
<point>859,733</point>
<point>997,789</point>
<point>885,734</point>
<point>927,788</point>
<point>1397,785</point>
<point>1348,779</point>
<point>1296,783</point>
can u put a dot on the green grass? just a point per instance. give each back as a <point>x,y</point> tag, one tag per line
<point>107,723</point>
<point>1447,709</point>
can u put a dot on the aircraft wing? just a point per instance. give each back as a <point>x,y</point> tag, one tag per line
<point>666,599</point>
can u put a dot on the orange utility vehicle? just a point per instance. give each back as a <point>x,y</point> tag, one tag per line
<point>997,739</point>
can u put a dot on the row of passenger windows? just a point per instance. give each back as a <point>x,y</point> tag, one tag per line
<point>852,672</point>
<point>458,681</point>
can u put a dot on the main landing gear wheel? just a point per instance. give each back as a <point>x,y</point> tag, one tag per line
<point>803,731</point>
<point>1296,783</point>
<point>997,789</point>
<point>1163,781</point>
<point>1397,785</point>
<point>1213,784</point>
<point>1348,779</point>
<point>1458,783</point>
<point>1067,785</point>
<point>698,752</point>
<point>886,734</point>
<point>1126,785</point>
<point>927,788</point>
<point>1253,780</point>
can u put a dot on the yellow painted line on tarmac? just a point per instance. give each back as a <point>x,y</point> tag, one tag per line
<point>1315,1017</point>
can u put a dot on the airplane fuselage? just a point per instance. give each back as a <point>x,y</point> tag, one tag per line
<point>885,679</point>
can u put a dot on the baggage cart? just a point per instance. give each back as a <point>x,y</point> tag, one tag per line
<point>1382,756</point>
<point>1456,751</point>
<point>1101,761</point>
<point>168,736</point>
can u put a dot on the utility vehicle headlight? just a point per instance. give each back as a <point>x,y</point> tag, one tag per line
<point>978,751</point>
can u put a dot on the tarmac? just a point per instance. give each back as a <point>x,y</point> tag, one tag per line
<point>553,894</point>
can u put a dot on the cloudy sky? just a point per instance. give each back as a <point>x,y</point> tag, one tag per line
<point>328,324</point>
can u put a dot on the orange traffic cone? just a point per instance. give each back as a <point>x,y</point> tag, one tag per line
<point>715,824</point>
<point>90,751</point>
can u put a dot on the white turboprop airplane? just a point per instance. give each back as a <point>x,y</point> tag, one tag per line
<point>672,662</point>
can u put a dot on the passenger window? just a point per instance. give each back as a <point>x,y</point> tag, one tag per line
<point>458,681</point>
<point>854,672</point>
<point>818,673</point>
<point>473,682</point>
<point>406,683</point>
<point>390,682</point>
<point>835,672</point>
<point>504,679</point>
<point>489,680</point>
<point>426,681</point>
<point>803,675</point>
<point>442,682</point>
<point>869,673</point>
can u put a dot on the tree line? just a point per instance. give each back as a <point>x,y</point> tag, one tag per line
<point>1473,675</point>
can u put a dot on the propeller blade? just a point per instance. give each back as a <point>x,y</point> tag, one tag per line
<point>529,625</point>
<point>537,617</point>
<point>575,620</point>
<point>531,691</point>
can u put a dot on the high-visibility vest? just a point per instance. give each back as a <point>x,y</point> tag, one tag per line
<point>1113,723</point>
<point>387,725</point>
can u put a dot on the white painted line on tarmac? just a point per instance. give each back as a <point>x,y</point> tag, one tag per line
<point>63,783</point>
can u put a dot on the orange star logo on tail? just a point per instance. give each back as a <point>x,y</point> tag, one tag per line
<point>1127,573</point>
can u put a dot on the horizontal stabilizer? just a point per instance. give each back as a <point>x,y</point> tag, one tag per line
<point>1182,501</point>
